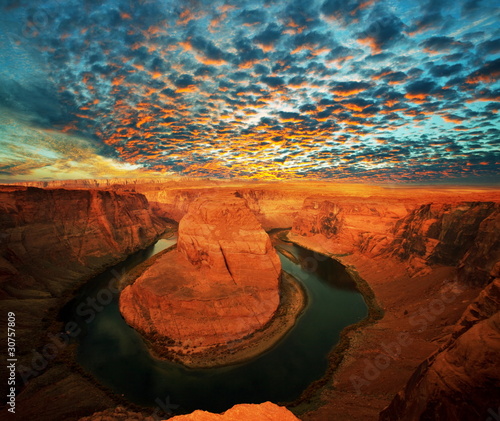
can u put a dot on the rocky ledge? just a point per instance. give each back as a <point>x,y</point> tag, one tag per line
<point>266,411</point>
<point>218,288</point>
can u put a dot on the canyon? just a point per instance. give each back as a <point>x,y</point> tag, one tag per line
<point>429,255</point>
<point>51,241</point>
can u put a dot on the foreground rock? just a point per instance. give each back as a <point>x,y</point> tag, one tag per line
<point>244,412</point>
<point>460,381</point>
<point>266,411</point>
<point>219,286</point>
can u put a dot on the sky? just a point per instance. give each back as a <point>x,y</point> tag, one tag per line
<point>362,91</point>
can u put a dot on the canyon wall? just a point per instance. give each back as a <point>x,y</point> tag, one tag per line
<point>224,268</point>
<point>408,245</point>
<point>463,234</point>
<point>273,208</point>
<point>274,205</point>
<point>409,253</point>
<point>461,380</point>
<point>51,240</point>
<point>344,225</point>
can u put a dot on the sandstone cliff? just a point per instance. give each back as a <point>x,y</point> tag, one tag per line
<point>410,253</point>
<point>220,285</point>
<point>244,412</point>
<point>463,234</point>
<point>345,224</point>
<point>460,381</point>
<point>51,240</point>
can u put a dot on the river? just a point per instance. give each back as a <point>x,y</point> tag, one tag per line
<point>116,356</point>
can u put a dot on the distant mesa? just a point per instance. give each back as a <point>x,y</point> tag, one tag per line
<point>218,287</point>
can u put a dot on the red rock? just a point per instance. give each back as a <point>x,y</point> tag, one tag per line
<point>266,411</point>
<point>459,234</point>
<point>50,238</point>
<point>462,382</point>
<point>53,240</point>
<point>221,283</point>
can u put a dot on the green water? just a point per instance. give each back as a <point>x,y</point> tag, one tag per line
<point>116,355</point>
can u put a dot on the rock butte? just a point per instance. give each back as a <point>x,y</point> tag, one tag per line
<point>220,284</point>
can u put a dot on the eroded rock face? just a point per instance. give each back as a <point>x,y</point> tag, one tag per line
<point>464,235</point>
<point>50,238</point>
<point>346,224</point>
<point>459,383</point>
<point>460,234</point>
<point>50,242</point>
<point>220,285</point>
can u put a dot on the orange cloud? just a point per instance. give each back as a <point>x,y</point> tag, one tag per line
<point>416,98</point>
<point>349,92</point>
<point>370,42</point>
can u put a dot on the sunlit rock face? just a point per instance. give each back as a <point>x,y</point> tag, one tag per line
<point>221,283</point>
<point>57,236</point>
<point>345,225</point>
<point>459,234</point>
<point>463,234</point>
<point>266,411</point>
<point>52,240</point>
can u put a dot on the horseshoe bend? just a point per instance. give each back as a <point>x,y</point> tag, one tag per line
<point>218,293</point>
<point>217,296</point>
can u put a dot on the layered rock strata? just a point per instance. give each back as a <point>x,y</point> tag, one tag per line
<point>219,286</point>
<point>463,234</point>
<point>425,263</point>
<point>460,381</point>
<point>51,240</point>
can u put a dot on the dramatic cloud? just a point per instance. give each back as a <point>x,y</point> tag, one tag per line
<point>357,89</point>
<point>383,33</point>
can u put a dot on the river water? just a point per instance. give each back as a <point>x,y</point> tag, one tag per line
<point>116,356</point>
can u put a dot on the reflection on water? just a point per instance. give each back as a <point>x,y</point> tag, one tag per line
<point>116,355</point>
